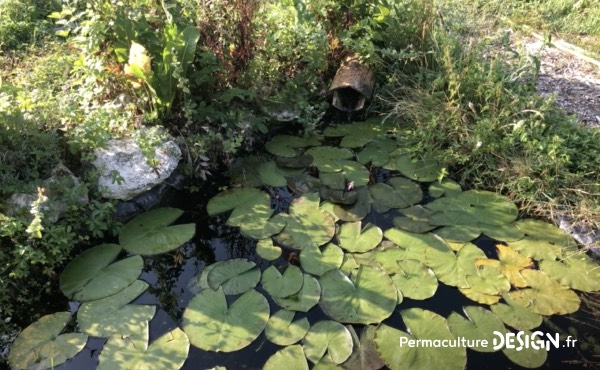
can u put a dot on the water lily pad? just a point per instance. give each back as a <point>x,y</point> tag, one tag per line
<point>303,183</point>
<point>267,250</point>
<point>479,325</point>
<point>510,263</point>
<point>114,315</point>
<point>167,352</point>
<point>150,233</point>
<point>515,316</point>
<point>458,233</point>
<point>415,280</point>
<point>338,196</point>
<point>213,326</point>
<point>447,187</point>
<point>328,337</point>
<point>307,224</point>
<point>528,357</point>
<point>272,175</point>
<point>328,158</point>
<point>577,271</point>
<point>301,161</point>
<point>289,358</point>
<point>283,330</point>
<point>41,346</point>
<point>358,134</point>
<point>415,220</point>
<point>453,269</point>
<point>422,325</point>
<point>282,285</point>
<point>422,169</point>
<point>544,295</point>
<point>479,297</point>
<point>285,145</point>
<point>369,296</point>
<point>91,275</point>
<point>235,276</point>
<point>540,230</point>
<point>353,239</point>
<point>537,249</point>
<point>328,206</point>
<point>351,172</point>
<point>488,280</point>
<point>359,210</point>
<point>400,193</point>
<point>365,356</point>
<point>317,262</point>
<point>506,233</point>
<point>305,299</point>
<point>244,171</point>
<point>377,152</point>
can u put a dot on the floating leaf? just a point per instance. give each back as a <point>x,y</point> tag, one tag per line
<point>328,337</point>
<point>526,356</point>
<point>358,134</point>
<point>515,316</point>
<point>453,269</point>
<point>415,280</point>
<point>488,280</point>
<point>369,296</point>
<point>282,330</point>
<point>538,249</point>
<point>317,262</point>
<point>506,233</point>
<point>480,325</point>
<point>266,250</point>
<point>338,196</point>
<point>479,297</point>
<point>244,171</point>
<point>545,296</point>
<point>272,175</point>
<point>91,275</point>
<point>365,356</point>
<point>447,187</point>
<point>305,299</point>
<point>303,183</point>
<point>289,358</point>
<point>422,169</point>
<point>351,172</point>
<point>400,193</point>
<point>422,325</point>
<point>328,158</point>
<point>235,276</point>
<point>150,233</point>
<point>281,286</point>
<point>415,220</point>
<point>510,263</point>
<point>540,230</point>
<point>213,326</point>
<point>307,224</point>
<point>577,271</point>
<point>458,233</point>
<point>359,210</point>
<point>285,145</point>
<point>353,239</point>
<point>377,152</point>
<point>41,346</point>
<point>114,315</point>
<point>167,352</point>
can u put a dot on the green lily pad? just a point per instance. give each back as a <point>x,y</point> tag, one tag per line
<point>400,193</point>
<point>422,169</point>
<point>369,296</point>
<point>358,134</point>
<point>307,224</point>
<point>114,315</point>
<point>415,280</point>
<point>377,152</point>
<point>481,324</point>
<point>150,233</point>
<point>41,346</point>
<point>510,263</point>
<point>289,358</point>
<point>479,297</point>
<point>328,206</point>
<point>365,356</point>
<point>577,271</point>
<point>213,326</point>
<point>415,220</point>
<point>305,299</point>
<point>353,239</point>
<point>328,158</point>
<point>488,280</point>
<point>359,210</point>
<point>91,275</point>
<point>301,161</point>
<point>506,233</point>
<point>244,171</point>
<point>328,337</point>
<point>317,262</point>
<point>515,316</point>
<point>273,175</point>
<point>286,145</point>
<point>338,196</point>
<point>538,249</point>
<point>394,349</point>
<point>458,233</point>
<point>349,264</point>
<point>235,276</point>
<point>447,187</point>
<point>267,250</point>
<point>544,295</point>
<point>351,172</point>
<point>540,230</point>
<point>167,352</point>
<point>526,356</point>
<point>282,285</point>
<point>283,330</point>
<point>453,269</point>
<point>303,183</point>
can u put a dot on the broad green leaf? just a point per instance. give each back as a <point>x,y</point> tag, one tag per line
<point>213,326</point>
<point>358,134</point>
<point>480,324</point>
<point>421,169</point>
<point>577,271</point>
<point>400,193</point>
<point>447,187</point>
<point>328,207</point>
<point>114,315</point>
<point>305,299</point>
<point>458,233</point>
<point>328,338</point>
<point>544,295</point>
<point>150,233</point>
<point>377,152</point>
<point>303,183</point>
<point>527,357</point>
<point>358,210</point>
<point>272,175</point>
<point>422,325</point>
<point>235,276</point>
<point>453,269</point>
<point>488,280</point>
<point>515,316</point>
<point>317,262</point>
<point>540,230</point>
<point>285,145</point>
<point>267,250</point>
<point>479,297</point>
<point>283,330</point>
<point>328,158</point>
<point>506,233</point>
<point>289,358</point>
<point>338,196</point>
<point>301,161</point>
<point>489,207</point>
<point>167,352</point>
<point>282,285</point>
<point>415,280</point>
<point>538,249</point>
<point>244,171</point>
<point>510,263</point>
<point>351,172</point>
<point>415,220</point>
<point>353,239</point>
<point>365,356</point>
<point>41,345</point>
<point>369,296</point>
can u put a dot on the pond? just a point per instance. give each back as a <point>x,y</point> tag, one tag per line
<point>353,244</point>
